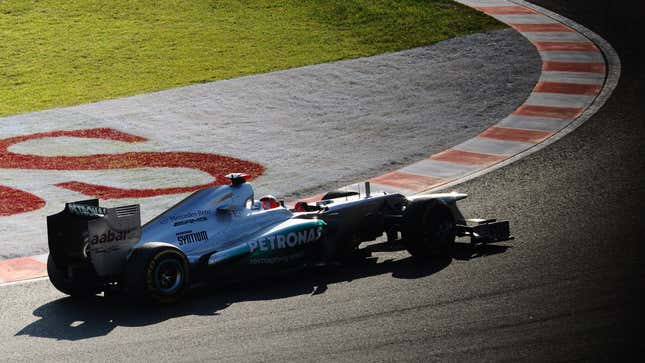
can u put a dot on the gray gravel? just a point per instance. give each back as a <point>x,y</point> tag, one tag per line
<point>330,124</point>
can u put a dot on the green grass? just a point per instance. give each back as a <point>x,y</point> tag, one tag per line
<point>57,53</point>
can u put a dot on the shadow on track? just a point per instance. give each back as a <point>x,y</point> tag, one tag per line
<point>72,319</point>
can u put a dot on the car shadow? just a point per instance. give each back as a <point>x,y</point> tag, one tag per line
<point>77,319</point>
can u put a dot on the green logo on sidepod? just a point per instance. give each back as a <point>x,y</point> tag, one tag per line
<point>287,240</point>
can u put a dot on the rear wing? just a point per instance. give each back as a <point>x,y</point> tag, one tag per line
<point>85,233</point>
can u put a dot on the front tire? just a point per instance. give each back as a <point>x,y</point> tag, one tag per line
<point>158,272</point>
<point>430,230</point>
<point>77,282</point>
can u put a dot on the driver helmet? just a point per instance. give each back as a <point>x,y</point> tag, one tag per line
<point>269,202</point>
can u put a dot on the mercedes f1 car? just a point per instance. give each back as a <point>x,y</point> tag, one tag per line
<point>223,231</point>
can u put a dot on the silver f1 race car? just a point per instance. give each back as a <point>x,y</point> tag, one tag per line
<point>222,231</point>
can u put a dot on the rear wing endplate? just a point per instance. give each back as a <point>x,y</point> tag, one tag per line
<point>85,233</point>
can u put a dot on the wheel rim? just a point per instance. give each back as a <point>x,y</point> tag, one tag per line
<point>169,276</point>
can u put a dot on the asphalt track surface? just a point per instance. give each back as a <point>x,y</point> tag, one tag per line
<point>568,288</point>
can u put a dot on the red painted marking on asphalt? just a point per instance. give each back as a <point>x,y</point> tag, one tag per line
<point>568,88</point>
<point>24,268</point>
<point>566,46</point>
<point>468,157</point>
<point>14,201</point>
<point>98,133</point>
<point>413,182</point>
<point>573,67</point>
<point>513,134</point>
<point>547,27</point>
<point>505,10</point>
<point>215,165</point>
<point>548,111</point>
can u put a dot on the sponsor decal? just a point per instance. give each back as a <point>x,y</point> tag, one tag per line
<point>278,259</point>
<point>188,237</point>
<point>187,218</point>
<point>87,210</point>
<point>189,221</point>
<point>107,250</point>
<point>110,236</point>
<point>285,240</point>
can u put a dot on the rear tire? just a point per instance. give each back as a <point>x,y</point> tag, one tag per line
<point>430,231</point>
<point>82,282</point>
<point>158,272</point>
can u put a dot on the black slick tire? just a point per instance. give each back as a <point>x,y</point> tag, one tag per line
<point>158,272</point>
<point>430,230</point>
<point>78,283</point>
